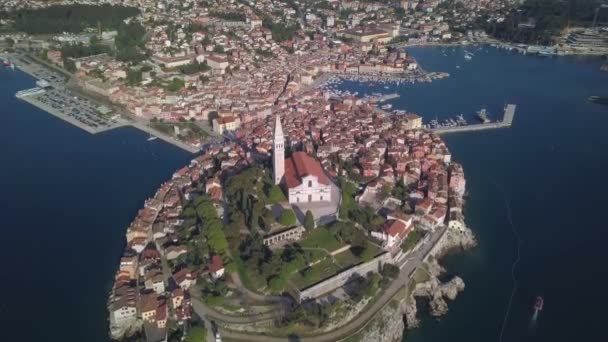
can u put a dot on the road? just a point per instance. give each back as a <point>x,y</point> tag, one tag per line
<point>407,269</point>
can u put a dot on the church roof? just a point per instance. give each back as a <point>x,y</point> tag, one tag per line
<point>301,165</point>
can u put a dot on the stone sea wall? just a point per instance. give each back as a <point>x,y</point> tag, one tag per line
<point>394,319</point>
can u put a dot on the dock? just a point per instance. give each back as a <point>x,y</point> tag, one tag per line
<point>507,121</point>
<point>387,97</point>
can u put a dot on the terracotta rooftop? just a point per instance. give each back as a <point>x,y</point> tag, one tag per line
<point>300,165</point>
<point>216,264</point>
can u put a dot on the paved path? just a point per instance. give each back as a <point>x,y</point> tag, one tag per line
<point>205,311</point>
<point>407,269</point>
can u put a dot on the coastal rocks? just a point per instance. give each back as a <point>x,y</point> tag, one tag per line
<point>438,305</point>
<point>119,332</point>
<point>410,311</point>
<point>451,289</point>
<point>436,292</point>
<point>387,326</point>
<point>454,240</point>
<point>433,290</point>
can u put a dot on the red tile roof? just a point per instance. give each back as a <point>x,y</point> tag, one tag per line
<point>301,165</point>
<point>395,228</point>
<point>216,264</point>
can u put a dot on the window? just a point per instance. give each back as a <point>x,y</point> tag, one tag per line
<point>309,198</point>
<point>321,198</point>
<point>310,184</point>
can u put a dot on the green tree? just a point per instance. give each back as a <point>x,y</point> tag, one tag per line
<point>134,77</point>
<point>218,49</point>
<point>288,218</point>
<point>9,41</point>
<point>175,85</point>
<point>275,194</point>
<point>196,334</point>
<point>390,271</point>
<point>309,220</point>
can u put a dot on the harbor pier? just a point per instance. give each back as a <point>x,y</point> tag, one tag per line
<point>507,121</point>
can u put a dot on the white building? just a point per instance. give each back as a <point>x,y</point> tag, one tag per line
<point>225,123</point>
<point>305,180</point>
<point>394,232</point>
<point>123,313</point>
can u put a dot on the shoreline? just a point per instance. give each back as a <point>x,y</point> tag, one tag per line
<point>121,122</point>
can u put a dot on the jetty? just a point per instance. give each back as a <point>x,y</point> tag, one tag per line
<point>507,121</point>
<point>387,97</point>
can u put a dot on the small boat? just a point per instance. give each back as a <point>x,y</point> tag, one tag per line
<point>538,304</point>
<point>598,99</point>
<point>152,138</point>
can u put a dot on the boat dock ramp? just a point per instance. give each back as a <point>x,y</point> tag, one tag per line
<point>506,121</point>
<point>387,97</point>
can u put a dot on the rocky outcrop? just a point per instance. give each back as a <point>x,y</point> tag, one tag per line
<point>387,326</point>
<point>454,240</point>
<point>436,292</point>
<point>451,289</point>
<point>410,311</point>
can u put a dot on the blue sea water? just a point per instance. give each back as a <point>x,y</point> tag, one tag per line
<point>550,168</point>
<point>66,198</point>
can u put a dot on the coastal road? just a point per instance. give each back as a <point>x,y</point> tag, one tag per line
<point>206,312</point>
<point>407,269</point>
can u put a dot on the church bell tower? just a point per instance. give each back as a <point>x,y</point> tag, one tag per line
<point>278,152</point>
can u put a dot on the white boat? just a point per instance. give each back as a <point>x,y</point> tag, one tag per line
<point>152,138</point>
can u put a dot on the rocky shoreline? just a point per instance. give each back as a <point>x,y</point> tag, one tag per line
<point>392,323</point>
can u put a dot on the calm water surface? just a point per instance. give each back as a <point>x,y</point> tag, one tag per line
<point>551,169</point>
<point>66,199</point>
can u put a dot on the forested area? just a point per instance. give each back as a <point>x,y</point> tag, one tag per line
<point>549,18</point>
<point>68,18</point>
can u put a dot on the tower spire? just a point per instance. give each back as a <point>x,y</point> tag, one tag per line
<point>278,129</point>
<point>278,152</point>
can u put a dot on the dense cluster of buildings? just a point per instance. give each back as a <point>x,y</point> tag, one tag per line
<point>257,81</point>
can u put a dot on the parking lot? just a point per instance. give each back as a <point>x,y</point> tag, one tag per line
<point>78,108</point>
<point>63,101</point>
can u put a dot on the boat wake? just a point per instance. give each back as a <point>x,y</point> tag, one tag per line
<point>515,262</point>
<point>533,321</point>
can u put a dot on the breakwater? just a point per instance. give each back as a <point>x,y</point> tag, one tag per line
<point>506,121</point>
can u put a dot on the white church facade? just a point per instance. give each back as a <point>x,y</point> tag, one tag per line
<point>303,176</point>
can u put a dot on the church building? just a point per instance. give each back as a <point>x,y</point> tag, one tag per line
<point>303,175</point>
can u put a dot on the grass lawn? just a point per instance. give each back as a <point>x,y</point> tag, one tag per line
<point>346,259</point>
<point>320,238</point>
<point>251,280</point>
<point>315,273</point>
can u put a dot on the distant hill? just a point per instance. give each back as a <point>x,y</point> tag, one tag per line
<point>68,18</point>
<point>548,18</point>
